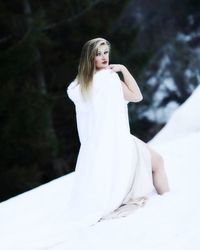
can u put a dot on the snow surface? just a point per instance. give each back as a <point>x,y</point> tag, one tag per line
<point>35,220</point>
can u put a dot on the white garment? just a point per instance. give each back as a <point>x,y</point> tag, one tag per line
<point>113,167</point>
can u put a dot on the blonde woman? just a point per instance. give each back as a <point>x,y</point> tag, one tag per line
<point>115,171</point>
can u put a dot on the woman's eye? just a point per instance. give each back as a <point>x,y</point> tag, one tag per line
<point>99,53</point>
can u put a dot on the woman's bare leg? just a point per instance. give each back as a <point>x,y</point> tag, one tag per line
<point>159,176</point>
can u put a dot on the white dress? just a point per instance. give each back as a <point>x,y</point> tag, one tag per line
<point>113,167</point>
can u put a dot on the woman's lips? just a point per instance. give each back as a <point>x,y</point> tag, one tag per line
<point>105,62</point>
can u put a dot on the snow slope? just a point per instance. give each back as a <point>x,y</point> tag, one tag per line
<point>35,220</point>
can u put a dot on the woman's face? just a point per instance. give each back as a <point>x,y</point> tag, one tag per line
<point>102,57</point>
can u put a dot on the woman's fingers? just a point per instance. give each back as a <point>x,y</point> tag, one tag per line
<point>116,67</point>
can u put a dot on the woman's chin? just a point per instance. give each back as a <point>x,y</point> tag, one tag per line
<point>103,67</point>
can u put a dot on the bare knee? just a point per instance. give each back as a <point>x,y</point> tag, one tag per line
<point>157,160</point>
<point>158,163</point>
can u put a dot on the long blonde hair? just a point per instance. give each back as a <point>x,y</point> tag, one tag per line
<point>86,68</point>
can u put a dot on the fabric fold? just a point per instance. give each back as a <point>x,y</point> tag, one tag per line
<point>113,167</point>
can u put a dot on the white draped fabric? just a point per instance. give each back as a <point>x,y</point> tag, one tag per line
<point>113,167</point>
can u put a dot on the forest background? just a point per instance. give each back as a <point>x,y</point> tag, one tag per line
<point>40,45</point>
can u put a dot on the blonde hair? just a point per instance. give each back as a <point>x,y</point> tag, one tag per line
<point>86,68</point>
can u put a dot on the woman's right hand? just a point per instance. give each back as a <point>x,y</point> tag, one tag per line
<point>117,67</point>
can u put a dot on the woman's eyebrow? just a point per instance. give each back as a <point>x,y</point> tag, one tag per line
<point>99,51</point>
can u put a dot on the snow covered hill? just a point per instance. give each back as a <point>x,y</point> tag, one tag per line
<point>184,121</point>
<point>35,220</point>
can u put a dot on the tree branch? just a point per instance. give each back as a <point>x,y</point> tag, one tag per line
<point>74,17</point>
<point>5,39</point>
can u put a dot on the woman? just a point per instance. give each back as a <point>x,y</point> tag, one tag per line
<point>114,169</point>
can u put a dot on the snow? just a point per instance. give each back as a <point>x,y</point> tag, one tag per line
<point>183,121</point>
<point>35,220</point>
<point>156,112</point>
<point>187,37</point>
<point>160,114</point>
<point>163,64</point>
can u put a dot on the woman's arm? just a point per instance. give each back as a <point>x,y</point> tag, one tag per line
<point>130,88</point>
